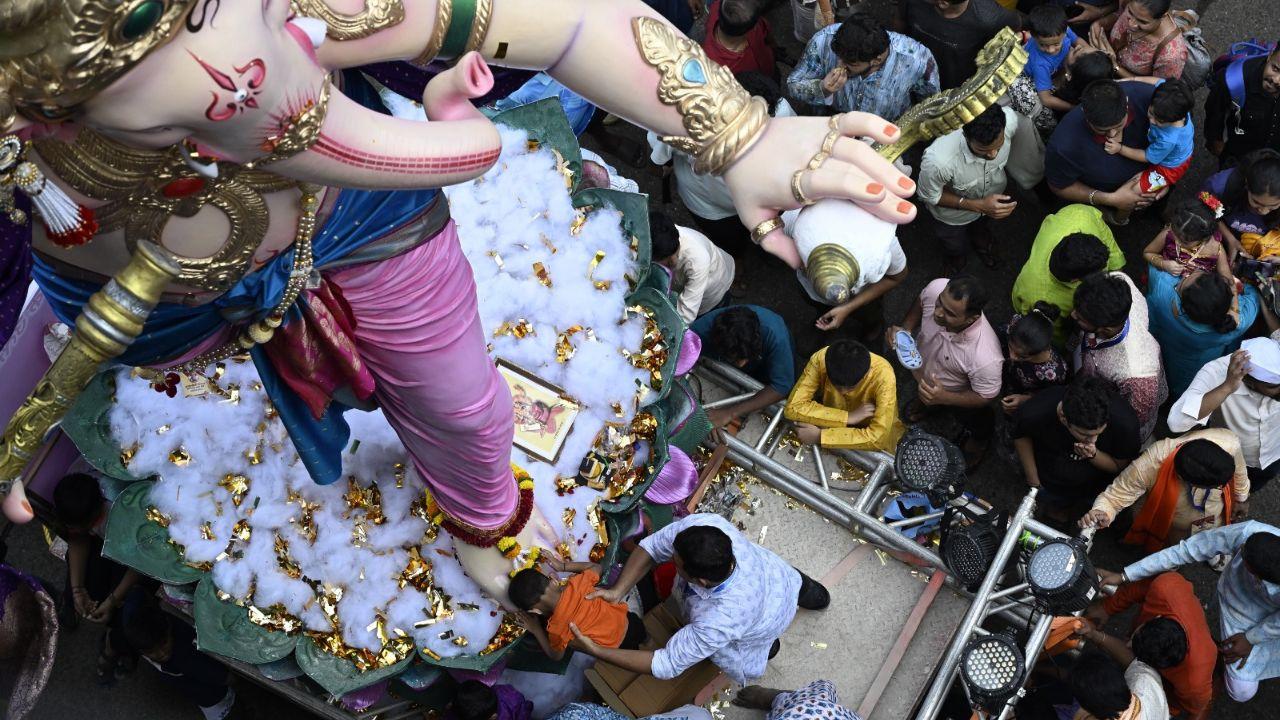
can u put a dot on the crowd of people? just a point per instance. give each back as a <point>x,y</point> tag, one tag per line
<point>1138,403</point>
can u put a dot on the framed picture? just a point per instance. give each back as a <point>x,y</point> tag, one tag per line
<point>544,414</point>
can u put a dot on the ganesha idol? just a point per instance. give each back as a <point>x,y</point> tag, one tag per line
<point>209,178</point>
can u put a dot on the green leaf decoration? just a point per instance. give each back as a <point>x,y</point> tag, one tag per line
<point>141,544</point>
<point>687,422</point>
<point>224,628</point>
<point>672,327</point>
<point>339,676</point>
<point>88,426</point>
<point>546,123</point>
<point>477,663</point>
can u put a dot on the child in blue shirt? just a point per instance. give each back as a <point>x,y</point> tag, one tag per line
<point>1170,139</point>
<point>1050,43</point>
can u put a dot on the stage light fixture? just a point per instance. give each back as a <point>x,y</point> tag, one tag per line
<point>992,667</point>
<point>1062,577</point>
<point>929,464</point>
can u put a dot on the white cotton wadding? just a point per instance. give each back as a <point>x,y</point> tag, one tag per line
<point>547,692</point>
<point>518,214</point>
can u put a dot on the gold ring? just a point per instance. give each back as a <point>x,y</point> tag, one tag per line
<point>759,232</point>
<point>829,142</point>
<point>833,122</point>
<point>796,191</point>
<point>816,161</point>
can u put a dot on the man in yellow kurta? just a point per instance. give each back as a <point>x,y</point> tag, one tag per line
<point>847,397</point>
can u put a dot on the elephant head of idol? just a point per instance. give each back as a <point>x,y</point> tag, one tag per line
<point>240,80</point>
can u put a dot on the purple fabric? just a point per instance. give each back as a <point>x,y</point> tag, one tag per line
<point>15,267</point>
<point>511,704</point>
<point>10,579</point>
<point>35,625</point>
<point>690,349</point>
<point>365,698</point>
<point>676,481</point>
<point>409,80</point>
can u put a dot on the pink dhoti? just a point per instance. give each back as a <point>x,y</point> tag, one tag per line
<point>418,330</point>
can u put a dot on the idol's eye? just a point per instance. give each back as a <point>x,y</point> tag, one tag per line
<point>140,19</point>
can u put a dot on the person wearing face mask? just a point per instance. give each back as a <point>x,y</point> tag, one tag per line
<point>962,359</point>
<point>1248,597</point>
<point>954,31</point>
<point>1232,131</point>
<point>1113,343</point>
<point>858,65</point>
<point>1072,441</point>
<point>1077,166</point>
<point>1241,392</point>
<point>737,596</point>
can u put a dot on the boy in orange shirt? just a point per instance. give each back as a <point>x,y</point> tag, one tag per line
<point>561,603</point>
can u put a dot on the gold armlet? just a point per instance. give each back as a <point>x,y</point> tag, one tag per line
<point>722,119</point>
<point>377,15</point>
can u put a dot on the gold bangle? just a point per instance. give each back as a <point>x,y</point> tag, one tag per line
<point>759,232</point>
<point>444,16</point>
<point>722,120</point>
<point>480,26</point>
<point>796,191</point>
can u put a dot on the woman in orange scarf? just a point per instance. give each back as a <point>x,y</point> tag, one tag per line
<point>1183,487</point>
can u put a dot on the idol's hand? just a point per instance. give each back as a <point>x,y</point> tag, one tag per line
<point>775,173</point>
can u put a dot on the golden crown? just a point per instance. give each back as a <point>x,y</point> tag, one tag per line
<point>55,54</point>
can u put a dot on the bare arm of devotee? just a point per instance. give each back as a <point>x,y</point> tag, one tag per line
<point>638,563</point>
<point>1126,197</point>
<point>1027,456</point>
<point>763,398</point>
<point>1133,482</point>
<point>637,661</point>
<point>835,317</point>
<point>1115,647</point>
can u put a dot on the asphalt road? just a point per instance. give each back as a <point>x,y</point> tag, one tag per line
<point>73,693</point>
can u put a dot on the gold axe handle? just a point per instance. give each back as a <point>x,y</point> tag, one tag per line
<point>999,63</point>
<point>107,325</point>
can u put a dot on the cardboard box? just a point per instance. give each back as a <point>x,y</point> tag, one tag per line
<point>636,695</point>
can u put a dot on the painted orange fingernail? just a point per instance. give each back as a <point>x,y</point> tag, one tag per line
<point>904,207</point>
<point>875,189</point>
<point>905,183</point>
<point>890,130</point>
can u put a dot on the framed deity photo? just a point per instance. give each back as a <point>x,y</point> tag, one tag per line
<point>544,414</point>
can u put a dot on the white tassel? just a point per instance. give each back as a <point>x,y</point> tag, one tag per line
<point>68,222</point>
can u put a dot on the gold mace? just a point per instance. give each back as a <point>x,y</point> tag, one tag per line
<point>831,269</point>
<point>106,326</point>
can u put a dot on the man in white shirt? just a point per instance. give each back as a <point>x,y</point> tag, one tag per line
<point>1243,390</point>
<point>701,273</point>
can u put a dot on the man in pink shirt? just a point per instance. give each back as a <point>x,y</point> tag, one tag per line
<point>962,359</point>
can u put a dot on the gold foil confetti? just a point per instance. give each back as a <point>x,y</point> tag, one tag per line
<point>460,641</point>
<point>470,607</point>
<point>284,562</point>
<point>546,241</point>
<point>518,329</point>
<point>564,348</point>
<point>603,285</point>
<point>417,572</point>
<point>617,410</point>
<point>164,429</point>
<point>497,259</point>
<point>595,263</point>
<point>236,485</point>
<point>564,551</point>
<point>206,532</point>
<point>126,454</point>
<point>575,227</point>
<point>179,456</point>
<point>566,484</point>
<point>764,530</point>
<point>818,645</point>
<point>154,515</point>
<point>568,516</point>
<point>399,471</point>
<point>540,271</point>
<point>254,456</point>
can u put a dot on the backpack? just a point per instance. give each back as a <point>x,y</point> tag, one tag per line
<point>1232,62</point>
<point>1199,65</point>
